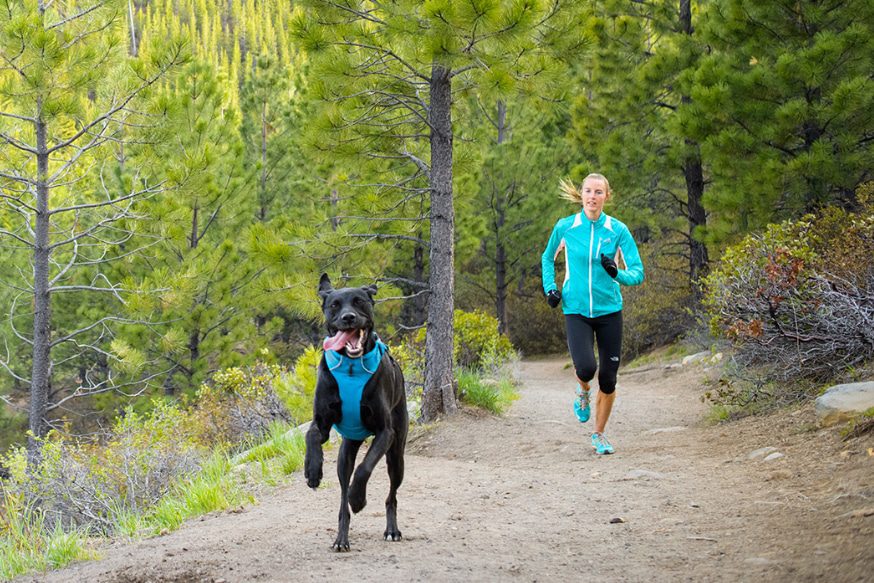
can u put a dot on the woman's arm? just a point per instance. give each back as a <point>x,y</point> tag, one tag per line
<point>547,260</point>
<point>633,272</point>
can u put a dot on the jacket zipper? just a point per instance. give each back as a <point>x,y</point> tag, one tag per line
<point>591,244</point>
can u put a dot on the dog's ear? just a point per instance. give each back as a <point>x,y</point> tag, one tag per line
<point>325,287</point>
<point>371,291</point>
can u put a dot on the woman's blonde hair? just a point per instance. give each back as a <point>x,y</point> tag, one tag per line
<point>573,193</point>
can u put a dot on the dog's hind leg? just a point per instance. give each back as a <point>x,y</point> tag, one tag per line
<point>345,463</point>
<point>394,459</point>
<point>358,490</point>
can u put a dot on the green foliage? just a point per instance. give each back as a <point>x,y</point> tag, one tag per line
<point>493,395</point>
<point>478,345</point>
<point>282,451</point>
<point>153,471</point>
<point>296,388</point>
<point>241,403</point>
<point>28,543</point>
<point>658,311</point>
<point>212,488</point>
<point>534,327</point>
<point>784,104</point>
<point>79,484</point>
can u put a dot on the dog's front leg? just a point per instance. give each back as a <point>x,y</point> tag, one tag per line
<point>345,464</point>
<point>318,433</point>
<point>358,490</point>
<point>326,412</point>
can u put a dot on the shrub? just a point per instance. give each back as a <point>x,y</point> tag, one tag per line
<point>796,299</point>
<point>28,544</point>
<point>84,484</point>
<point>659,311</point>
<point>477,341</point>
<point>241,403</point>
<point>534,327</point>
<point>486,393</point>
<point>296,388</point>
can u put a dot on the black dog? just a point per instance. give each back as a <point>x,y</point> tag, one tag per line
<point>353,357</point>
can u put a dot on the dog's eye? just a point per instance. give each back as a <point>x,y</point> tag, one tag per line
<point>335,304</point>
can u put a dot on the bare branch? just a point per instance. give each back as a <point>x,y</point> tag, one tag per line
<point>76,16</point>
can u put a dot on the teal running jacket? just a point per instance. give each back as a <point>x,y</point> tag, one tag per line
<point>587,289</point>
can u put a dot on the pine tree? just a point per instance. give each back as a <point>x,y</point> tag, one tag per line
<point>387,74</point>
<point>630,117</point>
<point>200,226</point>
<point>524,152</point>
<point>68,93</point>
<point>785,106</point>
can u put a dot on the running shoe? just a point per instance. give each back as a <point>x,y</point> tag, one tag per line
<point>581,405</point>
<point>600,444</point>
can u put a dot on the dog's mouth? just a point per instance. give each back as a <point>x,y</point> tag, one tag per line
<point>352,340</point>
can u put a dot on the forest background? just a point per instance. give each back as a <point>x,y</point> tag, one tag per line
<point>175,175</point>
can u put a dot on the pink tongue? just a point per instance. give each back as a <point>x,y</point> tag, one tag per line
<point>339,340</point>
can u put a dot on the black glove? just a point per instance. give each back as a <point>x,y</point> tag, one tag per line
<point>553,297</point>
<point>609,266</point>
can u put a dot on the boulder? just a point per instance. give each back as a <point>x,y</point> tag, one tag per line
<point>761,452</point>
<point>692,358</point>
<point>843,402</point>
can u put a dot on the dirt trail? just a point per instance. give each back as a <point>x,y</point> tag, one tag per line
<point>522,498</point>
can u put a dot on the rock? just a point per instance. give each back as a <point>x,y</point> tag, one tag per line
<point>665,430</point>
<point>773,456</point>
<point>617,520</point>
<point>843,402</point>
<point>761,452</point>
<point>860,513</point>
<point>758,561</point>
<point>643,474</point>
<point>695,357</point>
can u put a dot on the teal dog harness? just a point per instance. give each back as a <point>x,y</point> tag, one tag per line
<point>351,375</point>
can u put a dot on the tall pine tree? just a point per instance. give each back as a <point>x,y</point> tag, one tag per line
<point>388,72</point>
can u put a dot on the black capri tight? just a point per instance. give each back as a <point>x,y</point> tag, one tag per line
<point>581,334</point>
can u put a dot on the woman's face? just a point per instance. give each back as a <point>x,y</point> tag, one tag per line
<point>594,196</point>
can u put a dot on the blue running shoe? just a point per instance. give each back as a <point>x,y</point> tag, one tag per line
<point>581,405</point>
<point>601,445</point>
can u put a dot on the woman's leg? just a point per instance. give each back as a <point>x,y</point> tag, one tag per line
<point>581,344</point>
<point>608,332</point>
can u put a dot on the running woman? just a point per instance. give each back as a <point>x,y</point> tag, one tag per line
<point>594,245</point>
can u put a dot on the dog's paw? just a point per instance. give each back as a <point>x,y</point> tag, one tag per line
<point>394,535</point>
<point>357,496</point>
<point>313,475</point>
<point>341,545</point>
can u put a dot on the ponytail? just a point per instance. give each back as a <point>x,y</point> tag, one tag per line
<point>574,194</point>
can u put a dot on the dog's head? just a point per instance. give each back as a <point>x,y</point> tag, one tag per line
<point>348,316</point>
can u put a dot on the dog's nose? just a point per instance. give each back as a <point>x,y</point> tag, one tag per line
<point>347,318</point>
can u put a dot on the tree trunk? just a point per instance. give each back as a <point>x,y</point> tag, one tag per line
<point>439,393</point>
<point>335,201</point>
<point>500,249</point>
<point>693,172</point>
<point>42,315</point>
<point>134,46</point>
